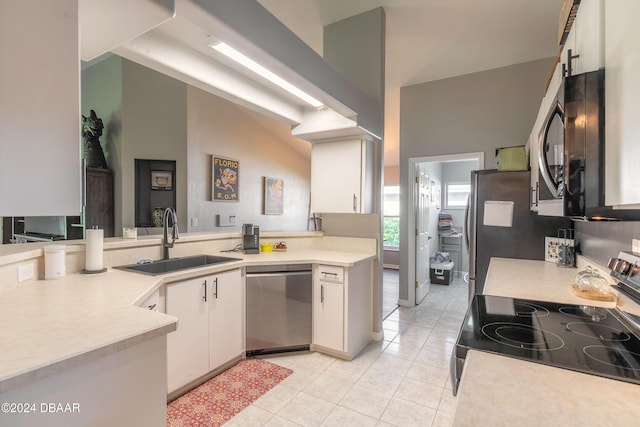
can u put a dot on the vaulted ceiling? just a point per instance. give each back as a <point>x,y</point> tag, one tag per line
<point>434,39</point>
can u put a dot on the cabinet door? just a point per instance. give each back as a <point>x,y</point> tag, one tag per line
<point>336,176</point>
<point>622,102</point>
<point>226,317</point>
<point>188,346</point>
<point>328,315</point>
<point>589,36</point>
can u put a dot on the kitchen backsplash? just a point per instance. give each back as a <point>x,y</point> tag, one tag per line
<point>603,240</point>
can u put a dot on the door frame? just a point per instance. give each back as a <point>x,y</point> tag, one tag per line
<point>411,217</point>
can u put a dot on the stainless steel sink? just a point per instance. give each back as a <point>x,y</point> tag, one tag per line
<point>176,264</point>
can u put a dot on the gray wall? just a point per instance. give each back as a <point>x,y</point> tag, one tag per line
<point>216,126</point>
<point>148,115</point>
<point>603,240</point>
<point>475,112</point>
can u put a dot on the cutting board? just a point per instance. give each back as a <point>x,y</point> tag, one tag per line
<point>593,294</point>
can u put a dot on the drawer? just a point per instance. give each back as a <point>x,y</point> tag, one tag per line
<point>331,273</point>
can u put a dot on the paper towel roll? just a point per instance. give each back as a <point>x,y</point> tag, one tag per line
<point>94,243</point>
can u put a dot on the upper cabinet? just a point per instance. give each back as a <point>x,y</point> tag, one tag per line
<point>40,151</point>
<point>622,102</point>
<point>585,40</point>
<point>342,176</point>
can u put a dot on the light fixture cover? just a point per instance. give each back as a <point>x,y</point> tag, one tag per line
<point>252,65</point>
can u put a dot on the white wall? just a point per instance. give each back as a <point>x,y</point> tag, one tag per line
<point>216,126</point>
<point>471,113</point>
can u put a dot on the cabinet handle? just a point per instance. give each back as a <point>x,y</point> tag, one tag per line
<point>570,58</point>
<point>215,293</point>
<point>152,306</point>
<point>205,291</point>
<point>537,193</point>
<point>322,294</point>
<point>355,203</point>
<point>532,199</point>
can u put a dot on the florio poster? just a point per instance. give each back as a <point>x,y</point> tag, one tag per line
<point>225,179</point>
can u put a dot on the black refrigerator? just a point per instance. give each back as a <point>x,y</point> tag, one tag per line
<point>524,239</point>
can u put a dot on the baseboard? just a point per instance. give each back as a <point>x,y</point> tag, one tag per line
<point>391,266</point>
<point>404,303</point>
<point>377,336</point>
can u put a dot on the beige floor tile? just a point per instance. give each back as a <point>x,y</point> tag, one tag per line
<point>392,365</point>
<point>381,381</point>
<point>365,401</point>
<point>275,421</point>
<point>447,403</point>
<point>250,416</point>
<point>276,398</point>
<point>349,371</point>
<point>316,361</point>
<point>301,377</point>
<point>428,374</point>
<point>306,410</point>
<point>403,350</point>
<point>419,392</point>
<point>343,417</point>
<point>407,414</point>
<point>329,388</point>
<point>433,358</point>
<point>442,420</point>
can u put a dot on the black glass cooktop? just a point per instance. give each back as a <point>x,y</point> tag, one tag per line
<point>581,338</point>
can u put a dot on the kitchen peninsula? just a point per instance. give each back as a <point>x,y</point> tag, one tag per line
<point>82,339</point>
<point>499,391</point>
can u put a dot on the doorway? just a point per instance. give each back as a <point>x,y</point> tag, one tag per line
<point>436,180</point>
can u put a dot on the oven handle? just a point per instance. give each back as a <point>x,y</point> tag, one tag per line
<point>281,273</point>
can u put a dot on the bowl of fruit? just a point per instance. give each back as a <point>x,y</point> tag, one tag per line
<point>280,247</point>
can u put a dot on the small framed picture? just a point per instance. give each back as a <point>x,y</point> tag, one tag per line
<point>273,196</point>
<point>226,179</point>
<point>161,180</point>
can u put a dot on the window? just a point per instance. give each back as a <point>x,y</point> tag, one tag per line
<point>391,216</point>
<point>456,195</point>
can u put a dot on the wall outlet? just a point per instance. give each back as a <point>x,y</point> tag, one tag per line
<point>635,245</point>
<point>25,272</point>
<point>226,220</point>
<point>194,221</point>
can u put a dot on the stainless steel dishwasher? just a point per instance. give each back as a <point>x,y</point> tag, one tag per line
<point>278,308</point>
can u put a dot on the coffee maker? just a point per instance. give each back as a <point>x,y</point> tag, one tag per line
<point>250,239</point>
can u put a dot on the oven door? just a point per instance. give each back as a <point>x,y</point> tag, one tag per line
<point>551,154</point>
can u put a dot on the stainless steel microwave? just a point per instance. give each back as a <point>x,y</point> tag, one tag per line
<point>571,153</point>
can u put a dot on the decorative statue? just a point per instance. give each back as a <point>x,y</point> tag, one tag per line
<point>91,131</point>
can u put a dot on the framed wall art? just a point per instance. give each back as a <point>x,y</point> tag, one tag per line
<point>273,196</point>
<point>162,180</point>
<point>226,179</point>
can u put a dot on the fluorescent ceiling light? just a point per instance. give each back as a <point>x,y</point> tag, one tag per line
<point>249,63</point>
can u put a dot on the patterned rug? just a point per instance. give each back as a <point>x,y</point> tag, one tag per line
<point>223,396</point>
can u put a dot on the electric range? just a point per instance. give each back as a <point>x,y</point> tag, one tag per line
<point>583,338</point>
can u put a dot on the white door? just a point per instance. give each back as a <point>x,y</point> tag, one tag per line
<point>188,346</point>
<point>422,236</point>
<point>226,317</point>
<point>328,315</point>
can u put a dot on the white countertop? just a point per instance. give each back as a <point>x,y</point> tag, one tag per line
<point>499,391</point>
<point>58,324</point>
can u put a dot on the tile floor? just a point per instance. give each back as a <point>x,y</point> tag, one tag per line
<point>401,381</point>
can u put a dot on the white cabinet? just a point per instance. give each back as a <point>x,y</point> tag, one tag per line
<point>586,39</point>
<point>210,333</point>
<point>226,318</point>
<point>188,346</point>
<point>622,102</point>
<point>342,314</point>
<point>40,172</point>
<point>342,176</point>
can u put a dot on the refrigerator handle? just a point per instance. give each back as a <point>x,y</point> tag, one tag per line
<point>466,222</point>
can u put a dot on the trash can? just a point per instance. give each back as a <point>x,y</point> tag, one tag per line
<point>440,273</point>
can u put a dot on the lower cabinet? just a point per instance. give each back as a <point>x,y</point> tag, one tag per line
<point>342,313</point>
<point>210,331</point>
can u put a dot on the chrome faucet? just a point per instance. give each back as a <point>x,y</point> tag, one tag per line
<point>168,213</point>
